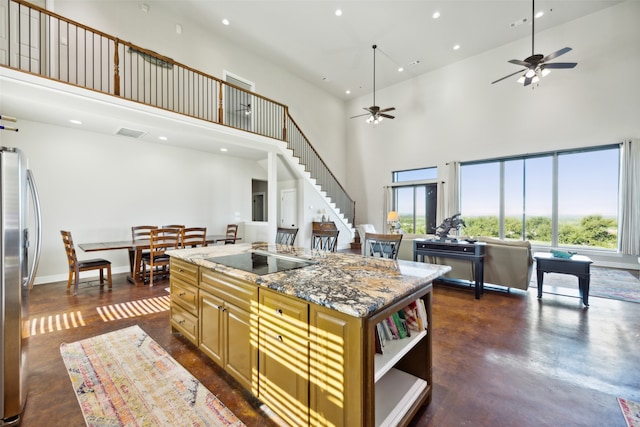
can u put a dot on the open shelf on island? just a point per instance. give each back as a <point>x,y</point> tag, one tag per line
<point>396,392</point>
<point>394,350</point>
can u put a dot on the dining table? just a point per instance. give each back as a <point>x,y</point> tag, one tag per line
<point>135,249</point>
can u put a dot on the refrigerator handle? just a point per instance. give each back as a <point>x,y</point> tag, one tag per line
<point>36,204</point>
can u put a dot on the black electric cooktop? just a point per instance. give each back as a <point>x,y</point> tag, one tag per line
<point>260,263</point>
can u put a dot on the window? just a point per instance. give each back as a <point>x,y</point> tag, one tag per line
<point>415,199</point>
<point>567,198</point>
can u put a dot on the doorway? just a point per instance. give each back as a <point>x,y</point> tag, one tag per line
<point>259,200</point>
<point>238,107</point>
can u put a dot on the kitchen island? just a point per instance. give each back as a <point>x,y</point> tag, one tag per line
<point>298,329</point>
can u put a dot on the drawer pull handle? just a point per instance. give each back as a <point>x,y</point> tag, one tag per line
<point>180,322</point>
<point>279,311</point>
<point>180,270</point>
<point>221,308</point>
<point>181,294</point>
<point>278,338</point>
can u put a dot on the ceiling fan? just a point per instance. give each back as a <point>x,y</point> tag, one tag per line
<point>375,113</point>
<point>537,66</point>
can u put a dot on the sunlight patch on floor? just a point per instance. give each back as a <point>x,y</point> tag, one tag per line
<point>54,322</point>
<point>113,312</point>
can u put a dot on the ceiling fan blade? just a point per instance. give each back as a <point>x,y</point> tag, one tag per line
<point>528,80</point>
<point>556,54</point>
<point>360,115</point>
<point>561,65</point>
<point>387,116</point>
<point>518,62</point>
<point>387,109</point>
<point>510,75</point>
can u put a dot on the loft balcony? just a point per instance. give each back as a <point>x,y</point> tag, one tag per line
<point>46,45</point>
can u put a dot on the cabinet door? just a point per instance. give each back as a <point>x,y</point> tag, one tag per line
<point>241,353</point>
<point>284,356</point>
<point>336,368</point>
<point>211,327</point>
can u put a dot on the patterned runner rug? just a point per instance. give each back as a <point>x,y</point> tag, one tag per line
<point>631,412</point>
<point>124,378</point>
<point>605,283</point>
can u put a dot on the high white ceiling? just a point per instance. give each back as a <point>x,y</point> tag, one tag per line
<point>335,52</point>
<point>306,37</point>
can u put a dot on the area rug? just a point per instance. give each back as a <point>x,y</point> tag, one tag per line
<point>630,411</point>
<point>124,378</point>
<point>605,283</point>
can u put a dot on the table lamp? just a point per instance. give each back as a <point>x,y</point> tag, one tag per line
<point>392,220</point>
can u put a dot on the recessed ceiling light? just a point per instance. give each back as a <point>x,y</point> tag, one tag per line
<point>456,47</point>
<point>225,21</point>
<point>348,92</point>
<point>436,15</point>
<point>539,14</point>
<point>224,150</point>
<point>162,138</point>
<point>400,69</point>
<point>338,12</point>
<point>416,62</point>
<point>75,122</point>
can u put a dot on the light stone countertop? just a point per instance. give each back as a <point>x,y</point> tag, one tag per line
<point>348,283</point>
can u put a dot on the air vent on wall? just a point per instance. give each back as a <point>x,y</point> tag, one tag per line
<point>130,133</point>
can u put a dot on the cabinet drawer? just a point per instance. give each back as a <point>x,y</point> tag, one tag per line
<point>236,291</point>
<point>283,315</point>
<point>184,322</point>
<point>184,295</point>
<point>185,271</point>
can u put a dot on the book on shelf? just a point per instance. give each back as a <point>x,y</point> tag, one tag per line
<point>378,340</point>
<point>422,313</point>
<point>402,332</point>
<point>392,327</point>
<point>411,316</point>
<point>399,325</point>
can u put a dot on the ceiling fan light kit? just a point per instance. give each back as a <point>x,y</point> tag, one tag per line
<point>374,112</point>
<point>537,65</point>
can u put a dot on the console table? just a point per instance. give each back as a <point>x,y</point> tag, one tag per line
<point>474,252</point>
<point>577,265</point>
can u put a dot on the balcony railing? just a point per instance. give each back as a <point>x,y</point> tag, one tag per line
<point>41,42</point>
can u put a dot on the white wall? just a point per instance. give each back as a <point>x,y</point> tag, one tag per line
<point>98,186</point>
<point>454,113</point>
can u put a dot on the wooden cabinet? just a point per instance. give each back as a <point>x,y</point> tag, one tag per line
<point>183,285</point>
<point>283,337</point>
<point>227,324</point>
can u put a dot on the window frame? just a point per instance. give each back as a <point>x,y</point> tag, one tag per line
<point>554,156</point>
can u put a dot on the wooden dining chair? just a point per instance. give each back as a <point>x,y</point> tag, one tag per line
<point>232,233</point>
<point>193,237</point>
<point>140,232</point>
<point>160,240</point>
<point>382,245</point>
<point>76,265</point>
<point>286,236</point>
<point>325,240</point>
<point>181,227</point>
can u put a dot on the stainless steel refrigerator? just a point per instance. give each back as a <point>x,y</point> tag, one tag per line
<point>19,263</point>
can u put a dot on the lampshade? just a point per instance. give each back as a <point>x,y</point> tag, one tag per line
<point>392,216</point>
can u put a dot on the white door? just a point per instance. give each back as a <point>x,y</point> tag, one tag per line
<point>288,208</point>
